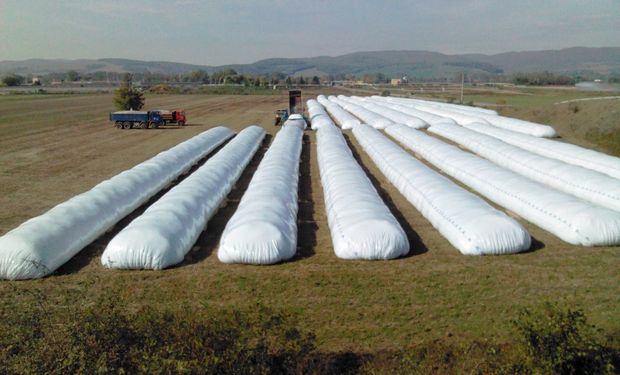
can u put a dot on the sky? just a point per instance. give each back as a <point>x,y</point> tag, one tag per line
<point>237,31</point>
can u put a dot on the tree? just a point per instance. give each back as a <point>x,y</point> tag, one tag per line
<point>13,80</point>
<point>288,81</point>
<point>126,97</point>
<point>315,80</point>
<point>72,75</point>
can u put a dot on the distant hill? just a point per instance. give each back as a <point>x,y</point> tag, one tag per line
<point>417,64</point>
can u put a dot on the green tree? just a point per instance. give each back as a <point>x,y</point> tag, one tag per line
<point>126,97</point>
<point>315,80</point>
<point>13,80</point>
<point>289,81</point>
<point>72,75</point>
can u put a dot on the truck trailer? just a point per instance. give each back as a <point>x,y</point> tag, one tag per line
<point>147,119</point>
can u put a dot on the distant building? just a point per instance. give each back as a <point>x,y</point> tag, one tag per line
<point>36,81</point>
<point>396,82</point>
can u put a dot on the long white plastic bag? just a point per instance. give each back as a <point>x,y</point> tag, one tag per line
<point>584,183</point>
<point>42,244</point>
<point>263,230</point>
<point>369,117</point>
<point>343,118</point>
<point>426,116</point>
<point>572,219</point>
<point>395,116</point>
<point>566,152</point>
<point>361,225</point>
<point>168,229</point>
<point>470,224</point>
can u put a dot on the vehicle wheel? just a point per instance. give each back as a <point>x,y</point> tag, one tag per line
<point>181,123</point>
<point>118,124</point>
<point>126,125</point>
<point>144,125</point>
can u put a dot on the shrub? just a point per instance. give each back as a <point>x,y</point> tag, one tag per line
<point>559,340</point>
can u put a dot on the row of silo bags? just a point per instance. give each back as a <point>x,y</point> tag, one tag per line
<point>572,219</point>
<point>566,152</point>
<point>366,116</point>
<point>42,244</point>
<point>581,182</point>
<point>470,224</point>
<point>395,116</point>
<point>263,229</point>
<point>167,230</point>
<point>468,115</point>
<point>361,225</point>
<point>343,118</point>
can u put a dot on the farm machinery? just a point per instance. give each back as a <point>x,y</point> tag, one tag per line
<point>295,105</point>
<point>147,119</point>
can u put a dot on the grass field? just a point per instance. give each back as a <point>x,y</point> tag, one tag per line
<point>53,147</point>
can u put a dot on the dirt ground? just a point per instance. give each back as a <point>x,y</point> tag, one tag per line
<point>52,148</point>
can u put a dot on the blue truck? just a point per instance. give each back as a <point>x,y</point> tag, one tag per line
<point>136,119</point>
<point>147,119</point>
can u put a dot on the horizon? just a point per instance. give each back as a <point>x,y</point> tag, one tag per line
<point>304,57</point>
<point>232,32</point>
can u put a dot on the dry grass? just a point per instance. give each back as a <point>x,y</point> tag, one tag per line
<point>56,147</point>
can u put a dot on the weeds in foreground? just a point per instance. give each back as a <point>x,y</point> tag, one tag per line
<point>106,337</point>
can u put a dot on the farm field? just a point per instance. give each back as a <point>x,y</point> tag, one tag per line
<point>54,147</point>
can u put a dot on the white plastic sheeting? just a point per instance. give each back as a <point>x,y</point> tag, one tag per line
<point>168,229</point>
<point>368,117</point>
<point>343,118</point>
<point>469,223</point>
<point>390,114</point>
<point>361,225</point>
<point>568,217</point>
<point>296,120</point>
<point>317,114</point>
<point>581,182</point>
<point>491,117</point>
<point>263,230</point>
<point>429,118</point>
<point>42,244</point>
<point>447,106</point>
<point>565,152</point>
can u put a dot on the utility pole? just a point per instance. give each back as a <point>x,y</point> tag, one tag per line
<point>462,84</point>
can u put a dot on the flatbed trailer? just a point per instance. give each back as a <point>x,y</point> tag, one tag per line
<point>136,119</point>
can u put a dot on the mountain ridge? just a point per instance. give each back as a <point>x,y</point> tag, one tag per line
<point>414,63</point>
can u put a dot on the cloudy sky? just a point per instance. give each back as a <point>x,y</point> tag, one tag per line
<point>238,31</point>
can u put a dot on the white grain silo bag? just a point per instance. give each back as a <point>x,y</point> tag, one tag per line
<point>42,244</point>
<point>317,115</point>
<point>343,118</point>
<point>584,183</point>
<point>470,224</point>
<point>395,116</point>
<point>296,120</point>
<point>369,117</point>
<point>566,152</point>
<point>572,219</point>
<point>263,230</point>
<point>168,229</point>
<point>429,118</point>
<point>361,225</point>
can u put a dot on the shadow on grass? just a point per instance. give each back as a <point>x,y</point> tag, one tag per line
<point>96,248</point>
<point>306,224</point>
<point>416,244</point>
<point>210,237</point>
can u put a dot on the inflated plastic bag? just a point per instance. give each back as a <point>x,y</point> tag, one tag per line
<point>42,244</point>
<point>168,229</point>
<point>429,118</point>
<point>568,217</point>
<point>263,230</point>
<point>361,225</point>
<point>368,117</point>
<point>395,116</point>
<point>584,183</point>
<point>341,117</point>
<point>317,114</point>
<point>566,152</point>
<point>470,224</point>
